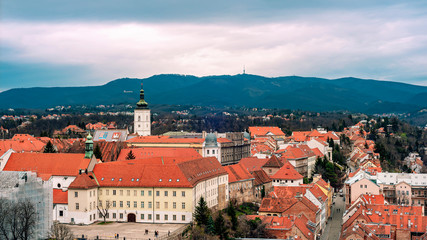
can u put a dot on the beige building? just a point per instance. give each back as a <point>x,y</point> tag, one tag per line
<point>134,191</point>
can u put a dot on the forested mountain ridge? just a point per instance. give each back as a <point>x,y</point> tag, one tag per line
<point>292,92</point>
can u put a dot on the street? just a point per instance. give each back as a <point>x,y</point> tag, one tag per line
<point>333,227</point>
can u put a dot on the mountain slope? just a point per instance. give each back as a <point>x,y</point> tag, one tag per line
<point>291,92</point>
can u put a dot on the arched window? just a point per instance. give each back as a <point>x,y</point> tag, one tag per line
<point>139,118</point>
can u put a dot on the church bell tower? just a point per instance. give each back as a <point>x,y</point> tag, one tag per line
<point>142,116</point>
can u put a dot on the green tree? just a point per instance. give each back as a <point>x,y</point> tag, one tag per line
<point>210,227</point>
<point>231,212</point>
<point>130,155</point>
<point>97,152</point>
<point>263,191</point>
<point>220,228</point>
<point>49,148</point>
<point>202,213</point>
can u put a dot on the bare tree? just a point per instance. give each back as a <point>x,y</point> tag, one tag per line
<point>103,209</point>
<point>17,220</point>
<point>60,232</point>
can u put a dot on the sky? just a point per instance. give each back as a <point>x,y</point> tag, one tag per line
<point>47,43</point>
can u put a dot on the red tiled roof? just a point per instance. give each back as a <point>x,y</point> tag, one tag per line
<point>237,172</point>
<point>48,164</point>
<point>21,143</point>
<point>157,173</point>
<point>260,177</point>
<point>318,193</point>
<point>253,163</point>
<point>60,197</point>
<point>149,152</point>
<point>262,131</point>
<point>293,152</point>
<point>289,191</point>
<point>287,172</point>
<point>83,181</point>
<point>164,139</point>
<point>273,162</point>
<point>317,152</point>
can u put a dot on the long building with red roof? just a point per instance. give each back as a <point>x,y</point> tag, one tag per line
<point>156,190</point>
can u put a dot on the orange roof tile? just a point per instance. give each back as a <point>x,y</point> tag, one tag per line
<point>273,162</point>
<point>60,197</point>
<point>83,181</point>
<point>48,164</point>
<point>260,177</point>
<point>287,172</point>
<point>146,172</point>
<point>237,172</point>
<point>262,131</point>
<point>253,163</point>
<point>149,152</point>
<point>164,139</point>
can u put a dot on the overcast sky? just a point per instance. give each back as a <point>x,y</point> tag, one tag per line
<point>81,42</point>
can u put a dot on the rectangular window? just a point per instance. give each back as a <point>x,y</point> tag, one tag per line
<point>121,192</point>
<point>128,204</point>
<point>90,194</point>
<point>183,193</point>
<point>174,217</point>
<point>77,206</point>
<point>114,215</point>
<point>150,205</point>
<point>121,215</point>
<point>183,217</point>
<point>366,186</point>
<point>142,216</point>
<point>166,217</point>
<point>157,193</point>
<point>149,193</point>
<point>114,192</point>
<point>121,203</point>
<point>174,205</point>
<point>142,192</point>
<point>135,204</point>
<point>142,204</point>
<point>100,203</point>
<point>100,192</point>
<point>128,193</point>
<point>76,194</point>
<point>166,205</point>
<point>157,216</point>
<point>174,193</point>
<point>114,203</point>
<point>183,205</point>
<point>157,205</point>
<point>166,193</point>
<point>149,216</point>
<point>134,192</point>
<point>61,213</point>
<point>107,192</point>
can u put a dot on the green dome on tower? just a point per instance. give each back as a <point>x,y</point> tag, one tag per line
<point>210,140</point>
<point>141,104</point>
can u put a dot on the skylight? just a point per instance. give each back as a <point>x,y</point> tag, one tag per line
<point>132,179</point>
<point>137,179</point>
<point>177,180</point>
<point>160,180</point>
<point>102,179</point>
<point>170,180</point>
<point>120,179</point>
<point>112,179</point>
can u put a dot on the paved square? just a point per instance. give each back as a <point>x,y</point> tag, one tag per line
<point>127,230</point>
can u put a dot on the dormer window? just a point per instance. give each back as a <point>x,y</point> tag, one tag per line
<point>120,179</point>
<point>170,179</point>
<point>160,180</point>
<point>137,179</point>
<point>177,180</point>
<point>132,179</point>
<point>102,179</point>
<point>112,179</point>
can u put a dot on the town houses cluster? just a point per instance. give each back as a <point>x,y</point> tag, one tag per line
<point>145,178</point>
